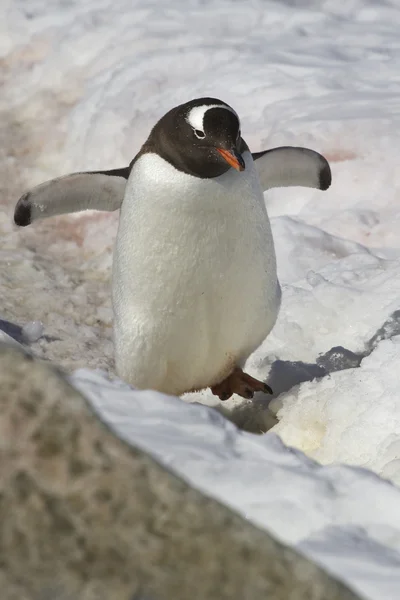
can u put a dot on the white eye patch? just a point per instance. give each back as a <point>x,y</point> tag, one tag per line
<point>195,117</point>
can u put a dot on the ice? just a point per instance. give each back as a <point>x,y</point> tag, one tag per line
<point>82,84</point>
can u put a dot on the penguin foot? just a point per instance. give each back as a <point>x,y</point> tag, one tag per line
<point>239,383</point>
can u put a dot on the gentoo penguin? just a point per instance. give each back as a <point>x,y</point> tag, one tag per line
<point>194,284</point>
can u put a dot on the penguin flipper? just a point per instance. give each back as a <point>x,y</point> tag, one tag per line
<point>97,190</point>
<point>289,166</point>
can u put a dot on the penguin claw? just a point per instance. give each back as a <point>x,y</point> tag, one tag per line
<point>240,383</point>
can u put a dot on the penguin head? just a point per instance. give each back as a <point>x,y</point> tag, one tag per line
<point>201,137</point>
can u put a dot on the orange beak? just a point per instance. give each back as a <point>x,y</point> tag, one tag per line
<point>233,158</point>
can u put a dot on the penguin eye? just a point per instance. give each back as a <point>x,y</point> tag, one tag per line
<point>199,134</point>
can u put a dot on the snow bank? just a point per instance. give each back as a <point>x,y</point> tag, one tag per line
<point>350,416</point>
<point>346,519</point>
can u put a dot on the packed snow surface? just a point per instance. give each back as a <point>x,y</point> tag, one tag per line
<point>82,84</point>
<point>347,519</point>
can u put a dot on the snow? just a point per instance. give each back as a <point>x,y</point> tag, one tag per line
<point>346,519</point>
<point>82,85</point>
<point>361,426</point>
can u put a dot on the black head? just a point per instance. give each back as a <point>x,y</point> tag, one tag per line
<point>201,137</point>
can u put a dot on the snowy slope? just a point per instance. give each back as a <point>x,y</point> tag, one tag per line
<point>82,85</point>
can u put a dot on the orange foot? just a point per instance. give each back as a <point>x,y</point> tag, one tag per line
<point>239,383</point>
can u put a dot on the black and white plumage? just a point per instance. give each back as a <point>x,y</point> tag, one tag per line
<point>195,289</point>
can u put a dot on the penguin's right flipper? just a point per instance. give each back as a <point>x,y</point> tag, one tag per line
<point>289,166</point>
<point>97,190</point>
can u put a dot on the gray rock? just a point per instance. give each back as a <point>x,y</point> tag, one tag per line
<point>339,359</point>
<point>84,516</point>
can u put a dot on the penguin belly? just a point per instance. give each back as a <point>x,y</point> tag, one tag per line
<point>195,287</point>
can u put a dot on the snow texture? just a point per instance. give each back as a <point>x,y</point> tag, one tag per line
<point>82,84</point>
<point>346,519</point>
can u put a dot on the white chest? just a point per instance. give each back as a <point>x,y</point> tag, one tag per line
<point>194,278</point>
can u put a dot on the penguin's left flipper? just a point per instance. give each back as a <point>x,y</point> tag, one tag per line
<point>289,166</point>
<point>97,190</point>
